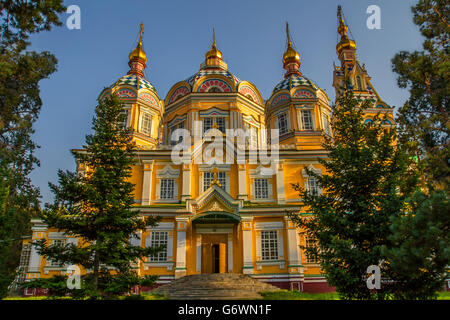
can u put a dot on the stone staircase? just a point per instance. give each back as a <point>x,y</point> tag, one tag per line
<point>215,286</point>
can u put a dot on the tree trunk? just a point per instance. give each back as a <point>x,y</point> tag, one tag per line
<point>96,267</point>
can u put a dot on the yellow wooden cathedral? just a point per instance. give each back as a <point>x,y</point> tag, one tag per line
<point>225,216</point>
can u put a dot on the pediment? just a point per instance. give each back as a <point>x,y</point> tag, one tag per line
<point>214,200</point>
<point>214,205</point>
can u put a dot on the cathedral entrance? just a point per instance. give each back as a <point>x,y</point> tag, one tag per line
<point>214,253</point>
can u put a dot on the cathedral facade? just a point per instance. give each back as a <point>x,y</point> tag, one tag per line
<point>224,208</point>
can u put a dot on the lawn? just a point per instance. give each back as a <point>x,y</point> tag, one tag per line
<point>296,295</point>
<point>279,295</point>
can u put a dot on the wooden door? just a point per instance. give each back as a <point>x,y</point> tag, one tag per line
<point>222,257</point>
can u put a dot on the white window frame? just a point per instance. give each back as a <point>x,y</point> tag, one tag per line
<point>326,123</point>
<point>179,125</point>
<point>261,187</point>
<point>278,228</point>
<point>142,127</point>
<point>221,176</point>
<point>269,245</point>
<point>284,130</point>
<point>306,178</point>
<point>167,173</point>
<point>167,188</point>
<point>56,264</point>
<point>310,122</point>
<point>262,173</point>
<point>202,168</point>
<point>169,228</point>
<point>126,123</point>
<point>309,258</point>
<point>162,239</point>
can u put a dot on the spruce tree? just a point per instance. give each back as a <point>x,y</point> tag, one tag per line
<point>419,253</point>
<point>360,193</point>
<point>97,207</point>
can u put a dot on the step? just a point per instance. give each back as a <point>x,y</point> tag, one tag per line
<point>214,286</point>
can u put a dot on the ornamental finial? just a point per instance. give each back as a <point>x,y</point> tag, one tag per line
<point>141,32</point>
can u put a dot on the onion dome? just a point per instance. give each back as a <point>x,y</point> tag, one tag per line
<point>345,42</point>
<point>294,81</point>
<point>133,86</point>
<point>291,58</point>
<point>137,57</point>
<point>213,78</point>
<point>294,85</point>
<point>214,53</point>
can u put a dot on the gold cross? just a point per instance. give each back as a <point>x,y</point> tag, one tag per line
<point>215,172</point>
<point>141,32</point>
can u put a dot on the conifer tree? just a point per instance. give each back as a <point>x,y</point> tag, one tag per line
<point>360,193</point>
<point>424,118</point>
<point>97,206</point>
<point>21,70</point>
<point>419,253</point>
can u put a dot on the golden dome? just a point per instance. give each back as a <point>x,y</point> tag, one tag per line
<point>214,52</point>
<point>345,42</point>
<point>291,55</point>
<point>138,52</point>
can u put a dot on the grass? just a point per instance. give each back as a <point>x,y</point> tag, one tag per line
<point>444,295</point>
<point>144,296</point>
<point>296,295</point>
<point>279,295</point>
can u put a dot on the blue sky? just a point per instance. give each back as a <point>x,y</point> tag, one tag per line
<point>250,34</point>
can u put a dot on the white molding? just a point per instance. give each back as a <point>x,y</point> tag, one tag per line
<point>167,172</point>
<point>269,225</point>
<point>262,263</point>
<point>56,236</point>
<point>162,226</point>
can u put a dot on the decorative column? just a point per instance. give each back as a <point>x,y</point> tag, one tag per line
<point>294,257</point>
<point>186,189</point>
<point>230,252</point>
<point>247,244</point>
<point>242,182</point>
<point>198,267</point>
<point>146,182</point>
<point>180,266</point>
<point>280,182</point>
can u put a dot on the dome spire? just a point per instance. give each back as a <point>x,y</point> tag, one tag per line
<point>213,58</point>
<point>291,58</point>
<point>138,58</point>
<point>345,42</point>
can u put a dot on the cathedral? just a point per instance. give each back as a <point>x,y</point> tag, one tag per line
<point>225,211</point>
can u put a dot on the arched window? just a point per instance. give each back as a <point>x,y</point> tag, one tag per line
<point>359,83</point>
<point>214,89</point>
<point>368,121</point>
